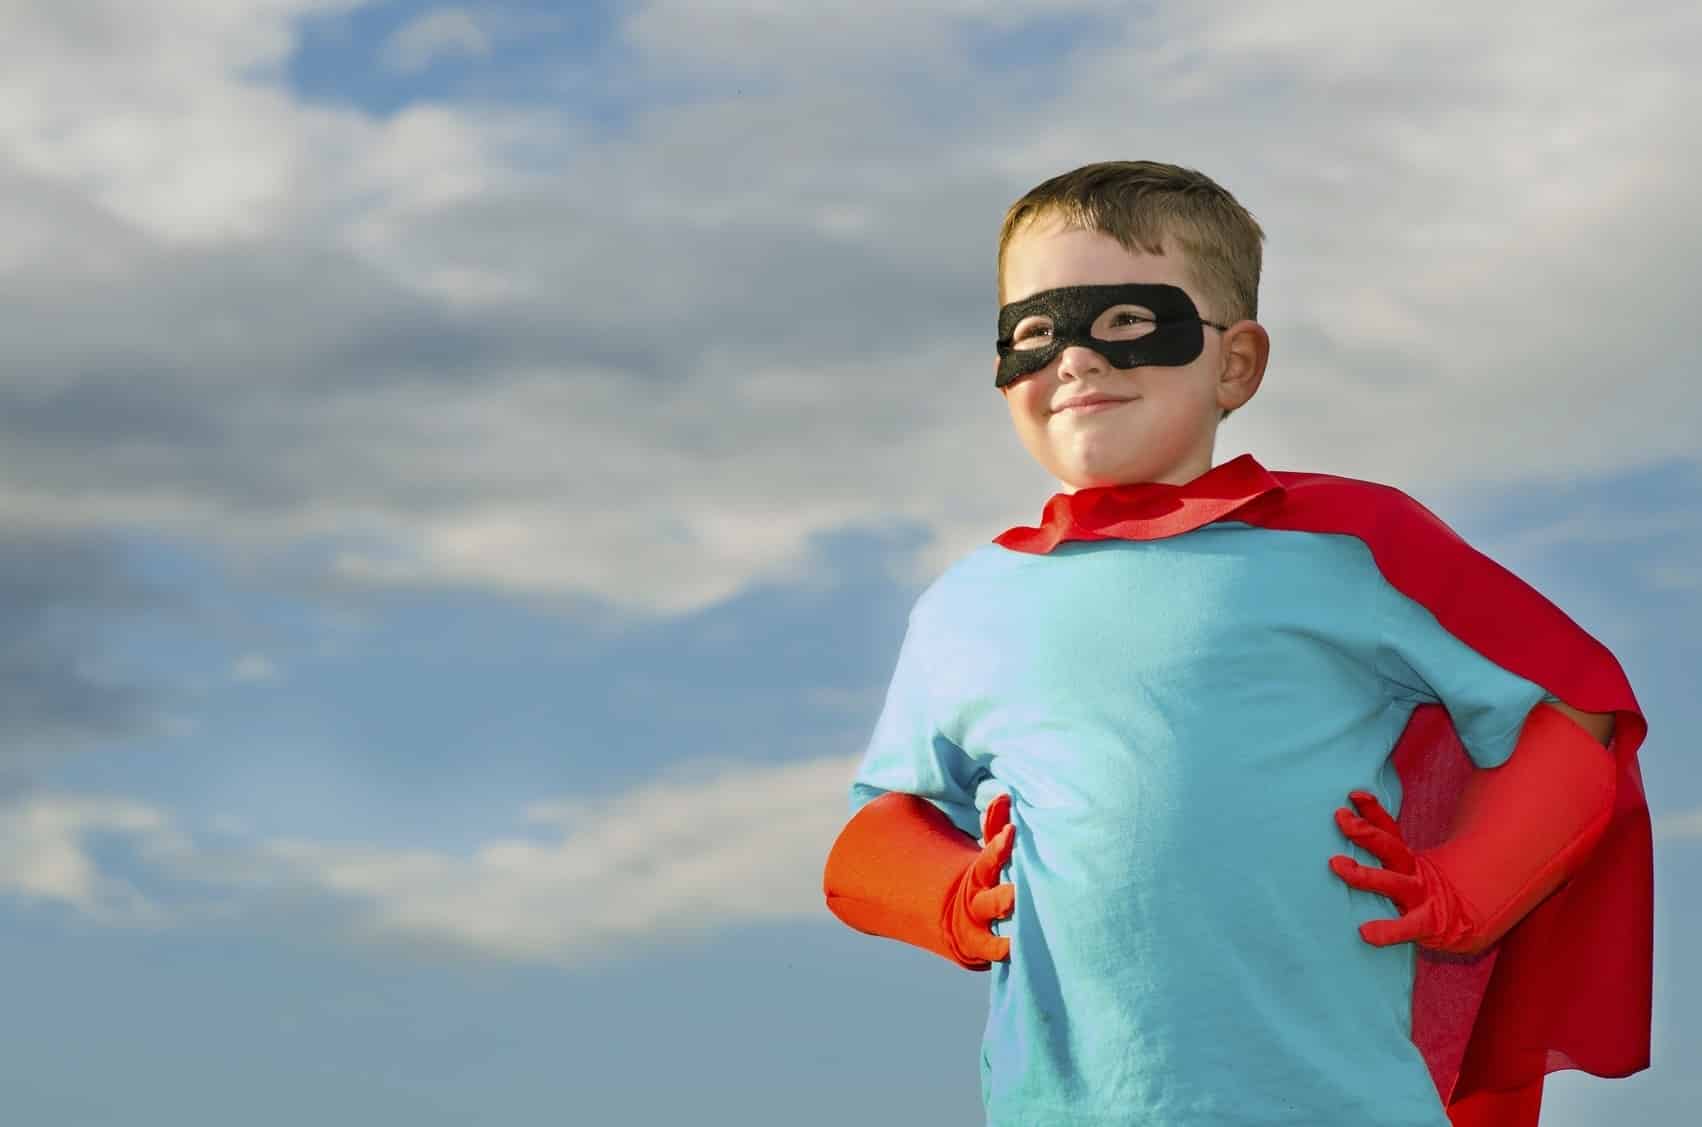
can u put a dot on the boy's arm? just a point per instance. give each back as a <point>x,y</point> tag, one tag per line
<point>907,865</point>
<point>901,869</point>
<point>1522,830</point>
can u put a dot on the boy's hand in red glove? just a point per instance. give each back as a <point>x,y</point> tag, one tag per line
<point>982,899</point>
<point>901,869</point>
<point>1523,829</point>
<point>1431,911</point>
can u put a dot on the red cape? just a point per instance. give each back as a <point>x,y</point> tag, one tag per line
<point>1570,985</point>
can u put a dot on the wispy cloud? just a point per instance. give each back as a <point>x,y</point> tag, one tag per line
<point>1683,826</point>
<point>252,668</point>
<point>765,38</point>
<point>713,846</point>
<point>1597,527</point>
<point>438,34</point>
<point>45,854</point>
<point>1678,576</point>
<point>670,860</point>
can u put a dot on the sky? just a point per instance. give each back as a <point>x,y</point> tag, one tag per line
<point>466,470</point>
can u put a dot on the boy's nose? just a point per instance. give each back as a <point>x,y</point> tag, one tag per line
<point>1080,358</point>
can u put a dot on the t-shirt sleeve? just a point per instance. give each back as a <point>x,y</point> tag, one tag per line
<point>1420,662</point>
<point>907,752</point>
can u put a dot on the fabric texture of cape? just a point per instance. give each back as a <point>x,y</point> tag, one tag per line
<point>1570,985</point>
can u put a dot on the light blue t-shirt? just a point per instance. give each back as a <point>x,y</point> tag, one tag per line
<point>1176,722</point>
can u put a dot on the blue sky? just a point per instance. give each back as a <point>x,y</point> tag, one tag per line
<point>383,57</point>
<point>468,469</point>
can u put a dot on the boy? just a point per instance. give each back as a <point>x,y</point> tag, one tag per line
<point>1151,705</point>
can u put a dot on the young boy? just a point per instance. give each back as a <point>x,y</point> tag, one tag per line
<point>1152,705</point>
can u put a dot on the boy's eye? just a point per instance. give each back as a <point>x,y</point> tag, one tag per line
<point>1025,336</point>
<point>1028,331</point>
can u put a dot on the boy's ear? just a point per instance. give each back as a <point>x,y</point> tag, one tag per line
<point>1249,350</point>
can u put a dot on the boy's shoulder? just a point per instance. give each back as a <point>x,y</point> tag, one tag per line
<point>1379,495</point>
<point>1374,509</point>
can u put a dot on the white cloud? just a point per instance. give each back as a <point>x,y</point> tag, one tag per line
<point>438,34</point>
<point>713,845</point>
<point>44,854</point>
<point>671,860</point>
<point>1683,826</point>
<point>777,37</point>
<point>152,111</point>
<point>1597,527</point>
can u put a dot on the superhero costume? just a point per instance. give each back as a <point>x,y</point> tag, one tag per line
<point>1462,651</point>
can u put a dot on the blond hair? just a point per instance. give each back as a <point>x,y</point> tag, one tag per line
<point>1143,204</point>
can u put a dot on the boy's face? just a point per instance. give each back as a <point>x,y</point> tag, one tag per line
<point>1166,425</point>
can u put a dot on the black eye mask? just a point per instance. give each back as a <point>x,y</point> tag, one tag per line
<point>1176,340</point>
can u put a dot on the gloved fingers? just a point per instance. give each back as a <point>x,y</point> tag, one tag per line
<point>1383,933</point>
<point>1406,891</point>
<point>1372,810</point>
<point>1385,845</point>
<point>979,943</point>
<point>997,817</point>
<point>995,949</point>
<point>985,871</point>
<point>992,904</point>
<point>1420,925</point>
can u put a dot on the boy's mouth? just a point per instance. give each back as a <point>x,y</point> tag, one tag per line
<point>1092,404</point>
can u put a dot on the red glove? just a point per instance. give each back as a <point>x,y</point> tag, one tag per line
<point>902,869</point>
<point>1522,830</point>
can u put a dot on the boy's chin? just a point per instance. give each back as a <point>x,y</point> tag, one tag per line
<point>1091,475</point>
<point>1077,477</point>
<point>1071,483</point>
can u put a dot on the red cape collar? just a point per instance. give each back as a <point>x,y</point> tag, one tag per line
<point>1148,510</point>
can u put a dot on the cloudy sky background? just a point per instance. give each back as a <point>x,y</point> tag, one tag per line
<point>466,469</point>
